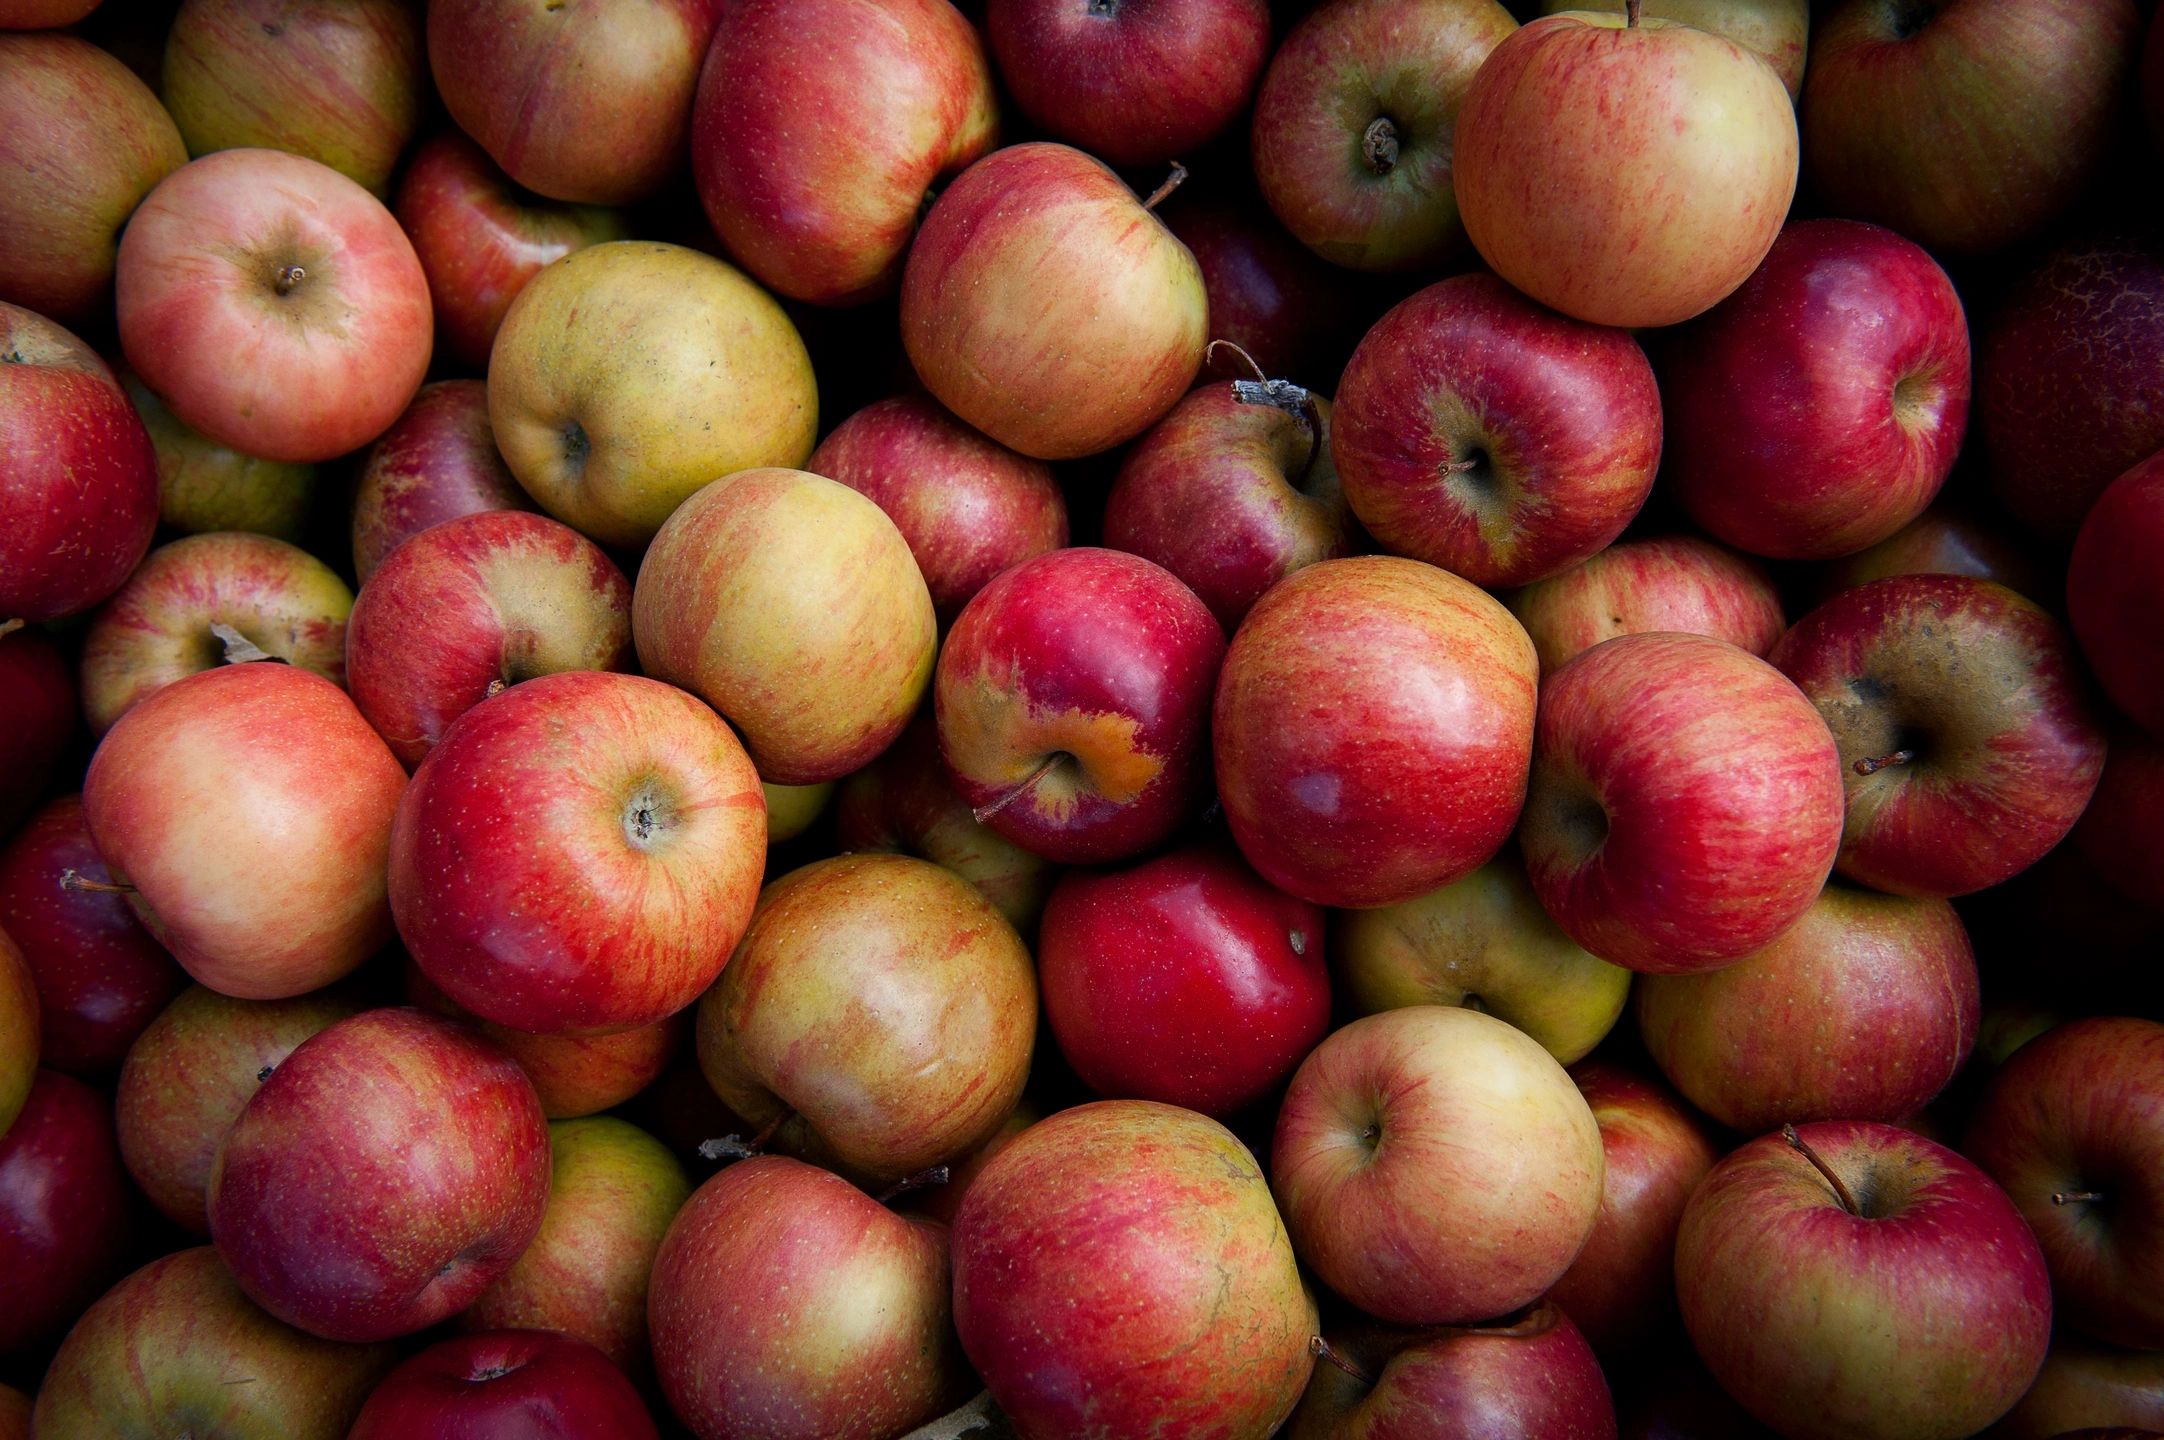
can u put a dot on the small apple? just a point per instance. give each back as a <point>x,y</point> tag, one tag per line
<point>574,1075</point>
<point>1678,583</point>
<point>2112,581</point>
<point>1270,297</point>
<point>2120,835</point>
<point>438,461</point>
<point>504,1382</point>
<point>64,1210</point>
<point>1947,539</point>
<point>205,487</point>
<point>793,809</point>
<point>40,685</point>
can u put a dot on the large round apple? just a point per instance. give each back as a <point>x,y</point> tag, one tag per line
<point>437,462</point>
<point>2115,592</point>
<point>504,1382</point>
<point>1678,583</point>
<point>1777,29</point>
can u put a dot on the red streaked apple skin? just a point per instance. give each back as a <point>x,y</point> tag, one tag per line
<point>2115,592</point>
<point>1269,295</point>
<point>64,1221</point>
<point>1679,583</point>
<point>438,461</point>
<point>1685,805</point>
<point>1779,30</point>
<point>501,1383</point>
<point>1373,727</point>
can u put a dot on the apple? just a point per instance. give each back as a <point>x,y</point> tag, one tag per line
<point>1270,297</point>
<point>438,461</point>
<point>40,685</point>
<point>85,141</point>
<point>14,1414</point>
<point>793,809</point>
<point>2120,835</point>
<point>1968,744</point>
<point>480,238</point>
<point>944,1202</point>
<point>19,1025</point>
<point>1870,328</point>
<point>43,14</point>
<point>250,809</point>
<point>879,1014</point>
<point>64,1221</point>
<point>504,1382</point>
<point>1119,1267</point>
<point>1864,1010</point>
<point>606,350</point>
<point>204,486</point>
<point>1436,1166</point>
<point>78,476</point>
<point>1947,539</point>
<point>1231,497</point>
<point>1623,171</point>
<point>2112,581</point>
<point>208,600</point>
<point>616,817</point>
<point>1677,582</point>
<point>1492,437</point>
<point>1084,745</point>
<point>2084,1384</point>
<point>1862,1280</point>
<point>1043,304</point>
<point>273,304</point>
<point>827,214</point>
<point>473,605</point>
<point>1777,30</point>
<point>1355,123</point>
<point>1482,942</point>
<point>1967,125</point>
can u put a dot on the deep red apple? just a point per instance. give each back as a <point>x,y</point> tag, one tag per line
<point>436,463</point>
<point>1947,539</point>
<point>2121,834</point>
<point>64,1221</point>
<point>2115,591</point>
<point>1268,295</point>
<point>502,1383</point>
<point>204,486</point>
<point>41,684</point>
<point>1678,583</point>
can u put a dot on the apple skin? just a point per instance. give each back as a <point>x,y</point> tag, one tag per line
<point>1777,30</point>
<point>616,816</point>
<point>2112,581</point>
<point>480,238</point>
<point>1829,1324</point>
<point>944,1202</point>
<point>20,1022</point>
<point>1371,646</point>
<point>170,1340</point>
<point>501,1383</point>
<point>204,486</point>
<point>1082,744</point>
<point>2120,835</point>
<point>14,1414</point>
<point>1685,804</point>
<point>1268,295</point>
<point>1678,583</point>
<point>1578,136</point>
<point>1120,1266</point>
<point>438,461</point>
<point>969,507</point>
<point>1864,1010</point>
<point>188,1077</point>
<point>40,684</point>
<point>1081,364</point>
<point>2081,1109</point>
<point>1984,687</point>
<point>100,977</point>
<point>157,628</point>
<point>1870,328</point>
<point>2086,1384</point>
<point>1947,539</point>
<point>827,216</point>
<point>471,606</point>
<point>1353,131</point>
<point>78,475</point>
<point>64,1212</point>
<point>82,141</point>
<point>1894,133</point>
<point>793,809</point>
<point>1559,424</point>
<point>1184,979</point>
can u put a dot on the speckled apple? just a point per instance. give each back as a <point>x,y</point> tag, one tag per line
<point>1679,583</point>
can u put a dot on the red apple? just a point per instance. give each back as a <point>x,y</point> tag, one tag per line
<point>2086,1384</point>
<point>1269,296</point>
<point>41,689</point>
<point>1947,539</point>
<point>436,463</point>
<point>2112,582</point>
<point>1492,437</point>
<point>20,1022</point>
<point>944,1202</point>
<point>1679,583</point>
<point>2120,835</point>
<point>502,1383</point>
<point>204,486</point>
<point>64,1222</point>
<point>1868,326</point>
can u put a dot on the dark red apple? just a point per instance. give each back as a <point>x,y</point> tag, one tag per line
<point>503,1383</point>
<point>41,684</point>
<point>1268,295</point>
<point>64,1221</point>
<point>2121,834</point>
<point>436,463</point>
<point>2115,591</point>
<point>1947,539</point>
<point>1676,583</point>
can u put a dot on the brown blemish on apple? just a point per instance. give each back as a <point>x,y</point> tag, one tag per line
<point>997,739</point>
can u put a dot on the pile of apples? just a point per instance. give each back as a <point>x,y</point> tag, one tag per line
<point>1081,719</point>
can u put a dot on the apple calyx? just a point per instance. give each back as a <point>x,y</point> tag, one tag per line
<point>736,1147</point>
<point>75,880</point>
<point>1840,1190</point>
<point>1872,764</point>
<point>1051,762</point>
<point>1172,183</point>
<point>289,278</point>
<point>239,649</point>
<point>1322,1349</point>
<point>1379,145</point>
<point>933,1175</point>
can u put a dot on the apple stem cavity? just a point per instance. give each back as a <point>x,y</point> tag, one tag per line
<point>936,1175</point>
<point>75,880</point>
<point>239,649</point>
<point>1379,145</point>
<point>1322,1349</point>
<point>736,1147</point>
<point>1172,183</point>
<point>289,278</point>
<point>1872,764</point>
<point>2076,1197</point>
<point>985,812</point>
<point>1840,1190</point>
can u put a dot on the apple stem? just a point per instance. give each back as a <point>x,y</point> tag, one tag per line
<point>1322,1349</point>
<point>239,649</point>
<point>1630,12</point>
<point>736,1147</point>
<point>2074,1197</point>
<point>495,687</point>
<point>9,627</point>
<point>936,1175</point>
<point>1172,183</point>
<point>1841,1192</point>
<point>1459,467</point>
<point>985,812</point>
<point>1295,400</point>
<point>289,276</point>
<point>1872,764</point>
<point>74,880</point>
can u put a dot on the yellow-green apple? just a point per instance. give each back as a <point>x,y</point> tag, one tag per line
<point>586,100</point>
<point>1482,942</point>
<point>1231,497</point>
<point>40,684</point>
<point>969,507</point>
<point>1045,305</point>
<point>1949,538</point>
<point>64,1209</point>
<point>1119,1267</point>
<point>20,1022</point>
<point>82,141</point>
<point>793,809</point>
<point>1185,979</point>
<point>815,176</point>
<point>480,238</point>
<point>1864,1009</point>
<point>879,1014</point>
<point>788,1303</point>
<point>1136,82</point>
<point>209,600</point>
<point>204,486</point>
<point>1622,1285</point>
<point>791,604</point>
<point>615,817</point>
<point>1685,806</point>
<point>1778,30</point>
<point>2113,582</point>
<point>2084,1384</point>
<point>606,350</point>
<point>501,1383</point>
<point>273,304</point>
<point>1270,298</point>
<point>1082,744</point>
<point>437,462</point>
<point>2120,835</point>
<point>1676,583</point>
<point>1624,171</point>
<point>613,1190</point>
<point>78,475</point>
<point>1329,659</point>
<point>388,1172</point>
<point>1867,325</point>
<point>1436,1166</point>
<point>2073,1126</point>
<point>1968,743</point>
<point>1355,126</point>
<point>343,82</point>
<point>1862,1282</point>
<point>471,606</point>
<point>166,1347</point>
<point>1492,437</point>
<point>250,809</point>
<point>1899,128</point>
<point>100,977</point>
<point>189,1075</point>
